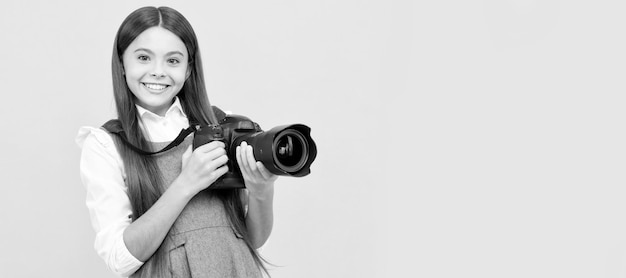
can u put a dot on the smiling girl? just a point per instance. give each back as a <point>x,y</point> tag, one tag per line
<point>151,214</point>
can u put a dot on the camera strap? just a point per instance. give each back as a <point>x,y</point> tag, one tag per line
<point>115,127</point>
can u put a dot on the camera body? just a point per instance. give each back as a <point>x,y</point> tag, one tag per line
<point>286,150</point>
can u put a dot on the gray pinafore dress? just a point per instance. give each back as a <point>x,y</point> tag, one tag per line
<point>202,242</point>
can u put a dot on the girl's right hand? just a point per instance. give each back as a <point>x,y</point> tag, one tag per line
<point>203,166</point>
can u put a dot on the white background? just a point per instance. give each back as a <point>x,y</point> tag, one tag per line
<point>456,138</point>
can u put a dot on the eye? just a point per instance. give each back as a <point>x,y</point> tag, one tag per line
<point>143,58</point>
<point>173,61</point>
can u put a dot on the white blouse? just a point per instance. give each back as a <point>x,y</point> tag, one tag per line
<point>102,174</point>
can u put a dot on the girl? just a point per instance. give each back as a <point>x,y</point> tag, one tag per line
<point>151,214</point>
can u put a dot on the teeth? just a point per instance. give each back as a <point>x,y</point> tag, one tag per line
<point>155,86</point>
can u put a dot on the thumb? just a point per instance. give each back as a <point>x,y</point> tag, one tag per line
<point>186,156</point>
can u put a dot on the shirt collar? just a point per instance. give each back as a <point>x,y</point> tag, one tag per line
<point>176,106</point>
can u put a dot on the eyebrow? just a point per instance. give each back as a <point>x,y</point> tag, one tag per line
<point>166,54</point>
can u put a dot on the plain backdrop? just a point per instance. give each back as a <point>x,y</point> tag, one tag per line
<point>456,138</point>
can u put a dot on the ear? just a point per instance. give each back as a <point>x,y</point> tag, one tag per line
<point>188,73</point>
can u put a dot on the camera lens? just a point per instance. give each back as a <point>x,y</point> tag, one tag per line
<point>290,150</point>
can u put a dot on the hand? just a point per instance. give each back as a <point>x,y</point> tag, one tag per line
<point>257,178</point>
<point>203,166</point>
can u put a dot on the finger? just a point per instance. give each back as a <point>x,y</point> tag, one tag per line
<point>208,147</point>
<point>217,162</point>
<point>250,158</point>
<point>208,157</point>
<point>244,158</point>
<point>217,152</point>
<point>240,162</point>
<point>215,175</point>
<point>264,172</point>
<point>251,162</point>
<point>220,171</point>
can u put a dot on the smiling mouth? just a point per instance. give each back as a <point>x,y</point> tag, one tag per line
<point>155,87</point>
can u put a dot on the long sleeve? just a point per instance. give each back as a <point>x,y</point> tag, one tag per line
<point>102,174</point>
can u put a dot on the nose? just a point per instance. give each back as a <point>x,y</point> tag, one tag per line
<point>158,71</point>
<point>157,75</point>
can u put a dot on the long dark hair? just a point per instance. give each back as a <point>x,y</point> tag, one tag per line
<point>143,179</point>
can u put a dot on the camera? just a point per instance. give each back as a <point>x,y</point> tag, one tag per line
<point>286,150</point>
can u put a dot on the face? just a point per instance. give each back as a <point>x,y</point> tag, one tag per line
<point>156,67</point>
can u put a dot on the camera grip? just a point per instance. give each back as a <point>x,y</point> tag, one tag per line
<point>207,134</point>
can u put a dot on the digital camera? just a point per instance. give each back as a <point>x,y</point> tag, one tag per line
<point>286,150</point>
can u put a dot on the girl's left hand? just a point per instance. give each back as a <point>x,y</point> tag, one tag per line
<point>257,178</point>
